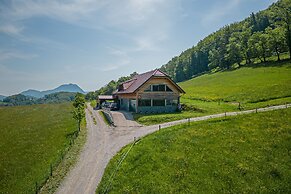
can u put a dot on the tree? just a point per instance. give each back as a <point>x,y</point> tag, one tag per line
<point>91,96</point>
<point>254,23</point>
<point>244,37</point>
<point>285,13</point>
<point>276,40</point>
<point>79,101</point>
<point>78,115</point>
<point>234,49</point>
<point>214,58</point>
<point>179,73</point>
<point>258,46</point>
<point>78,112</point>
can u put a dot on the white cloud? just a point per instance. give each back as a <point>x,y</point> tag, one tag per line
<point>68,11</point>
<point>13,54</point>
<point>132,17</point>
<point>12,30</point>
<point>218,11</point>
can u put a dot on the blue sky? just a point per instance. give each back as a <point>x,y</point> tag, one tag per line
<point>44,44</point>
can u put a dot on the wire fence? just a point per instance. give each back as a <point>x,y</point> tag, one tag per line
<point>49,173</point>
<point>122,158</point>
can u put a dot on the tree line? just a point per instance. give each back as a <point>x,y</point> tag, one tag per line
<point>20,99</point>
<point>258,37</point>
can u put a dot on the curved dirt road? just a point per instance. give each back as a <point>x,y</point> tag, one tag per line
<point>83,177</point>
<point>103,142</point>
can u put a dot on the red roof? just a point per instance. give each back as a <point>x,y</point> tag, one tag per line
<point>137,81</point>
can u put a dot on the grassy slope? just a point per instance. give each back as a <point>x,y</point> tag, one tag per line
<point>32,137</point>
<point>244,154</point>
<point>253,87</point>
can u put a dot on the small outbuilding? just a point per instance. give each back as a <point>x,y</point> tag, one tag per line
<point>104,98</point>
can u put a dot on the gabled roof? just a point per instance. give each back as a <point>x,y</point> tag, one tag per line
<point>137,81</point>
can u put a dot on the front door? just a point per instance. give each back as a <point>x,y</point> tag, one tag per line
<point>132,105</point>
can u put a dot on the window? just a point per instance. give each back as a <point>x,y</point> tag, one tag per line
<point>158,88</point>
<point>171,102</point>
<point>159,102</point>
<point>144,102</point>
<point>168,89</point>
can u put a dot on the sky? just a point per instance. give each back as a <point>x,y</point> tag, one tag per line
<point>44,44</point>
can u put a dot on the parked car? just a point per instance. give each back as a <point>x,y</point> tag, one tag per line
<point>105,105</point>
<point>113,106</point>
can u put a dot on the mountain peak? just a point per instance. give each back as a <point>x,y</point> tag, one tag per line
<point>62,88</point>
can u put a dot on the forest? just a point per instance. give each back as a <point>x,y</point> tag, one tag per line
<point>259,36</point>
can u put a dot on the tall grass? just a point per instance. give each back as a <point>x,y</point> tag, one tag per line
<point>32,138</point>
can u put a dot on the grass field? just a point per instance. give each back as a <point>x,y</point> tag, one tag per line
<point>32,138</point>
<point>253,87</point>
<point>243,154</point>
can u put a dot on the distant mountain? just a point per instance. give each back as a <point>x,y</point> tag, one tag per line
<point>58,97</point>
<point>63,88</point>
<point>33,93</point>
<point>2,97</point>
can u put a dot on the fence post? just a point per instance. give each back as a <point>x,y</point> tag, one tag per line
<point>256,110</point>
<point>225,114</point>
<point>36,188</point>
<point>51,170</point>
<point>188,121</point>
<point>286,105</point>
<point>159,127</point>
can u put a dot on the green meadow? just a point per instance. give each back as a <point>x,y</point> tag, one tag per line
<point>242,154</point>
<point>252,87</point>
<point>32,138</point>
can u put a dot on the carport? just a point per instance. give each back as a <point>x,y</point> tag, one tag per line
<point>104,98</point>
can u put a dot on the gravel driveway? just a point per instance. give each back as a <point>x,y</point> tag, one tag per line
<point>103,142</point>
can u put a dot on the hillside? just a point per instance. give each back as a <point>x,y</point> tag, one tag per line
<point>262,37</point>
<point>234,155</point>
<point>74,88</point>
<point>2,97</point>
<point>20,99</point>
<point>259,36</point>
<point>244,88</point>
<point>245,85</point>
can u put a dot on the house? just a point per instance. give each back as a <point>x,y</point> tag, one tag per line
<point>150,92</point>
